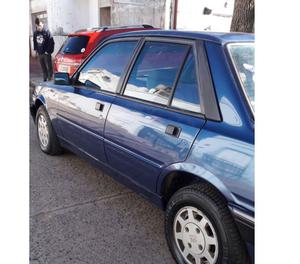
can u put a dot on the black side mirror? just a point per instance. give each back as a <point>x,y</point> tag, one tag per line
<point>62,78</point>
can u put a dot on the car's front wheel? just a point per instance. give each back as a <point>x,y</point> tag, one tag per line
<point>200,229</point>
<point>47,138</point>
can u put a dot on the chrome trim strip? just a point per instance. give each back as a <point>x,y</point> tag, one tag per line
<point>111,143</point>
<point>80,127</point>
<point>133,154</point>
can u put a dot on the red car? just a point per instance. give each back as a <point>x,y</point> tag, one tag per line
<point>80,44</point>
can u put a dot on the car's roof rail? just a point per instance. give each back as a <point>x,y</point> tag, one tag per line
<point>128,26</point>
<point>104,28</point>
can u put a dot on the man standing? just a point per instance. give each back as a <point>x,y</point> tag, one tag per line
<point>44,47</point>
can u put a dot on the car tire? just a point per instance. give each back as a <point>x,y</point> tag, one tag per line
<point>47,137</point>
<point>200,228</point>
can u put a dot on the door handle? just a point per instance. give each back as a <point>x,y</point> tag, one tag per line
<point>173,130</point>
<point>99,106</point>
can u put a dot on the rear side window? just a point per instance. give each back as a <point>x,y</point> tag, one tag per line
<point>103,71</point>
<point>186,94</point>
<point>75,45</point>
<point>155,70</point>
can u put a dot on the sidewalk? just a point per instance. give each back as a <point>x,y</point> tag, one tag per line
<point>35,72</point>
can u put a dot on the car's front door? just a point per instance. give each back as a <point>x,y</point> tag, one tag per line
<point>158,116</point>
<point>83,107</point>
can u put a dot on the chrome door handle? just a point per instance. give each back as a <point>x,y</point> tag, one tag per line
<point>99,106</point>
<point>173,130</point>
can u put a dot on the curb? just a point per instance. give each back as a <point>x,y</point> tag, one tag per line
<point>33,83</point>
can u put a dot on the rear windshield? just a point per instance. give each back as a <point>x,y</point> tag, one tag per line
<point>75,45</point>
<point>242,55</point>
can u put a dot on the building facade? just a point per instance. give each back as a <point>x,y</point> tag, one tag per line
<point>66,16</point>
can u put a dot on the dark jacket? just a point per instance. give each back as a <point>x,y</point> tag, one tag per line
<point>43,41</point>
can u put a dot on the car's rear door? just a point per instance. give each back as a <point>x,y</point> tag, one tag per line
<point>158,115</point>
<point>83,107</point>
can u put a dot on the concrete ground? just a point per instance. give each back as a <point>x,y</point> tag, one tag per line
<point>80,215</point>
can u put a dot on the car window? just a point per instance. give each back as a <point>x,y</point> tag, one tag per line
<point>75,45</point>
<point>186,94</point>
<point>155,70</point>
<point>103,71</point>
<point>242,55</point>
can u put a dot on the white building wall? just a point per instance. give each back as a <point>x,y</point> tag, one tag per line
<point>137,12</point>
<point>94,13</point>
<point>67,16</point>
<point>190,15</point>
<point>38,5</point>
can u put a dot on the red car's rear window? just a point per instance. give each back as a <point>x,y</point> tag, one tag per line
<point>75,45</point>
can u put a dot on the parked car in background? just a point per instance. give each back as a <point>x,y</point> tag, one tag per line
<point>81,43</point>
<point>170,114</point>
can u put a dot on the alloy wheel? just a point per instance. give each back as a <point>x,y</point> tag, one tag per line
<point>195,236</point>
<point>43,131</point>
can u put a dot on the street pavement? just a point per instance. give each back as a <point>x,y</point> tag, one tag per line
<point>80,215</point>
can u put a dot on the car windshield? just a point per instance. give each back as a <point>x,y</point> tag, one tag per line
<point>75,45</point>
<point>242,56</point>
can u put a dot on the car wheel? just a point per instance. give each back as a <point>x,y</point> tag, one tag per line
<point>200,229</point>
<point>47,138</point>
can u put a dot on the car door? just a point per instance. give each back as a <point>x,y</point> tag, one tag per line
<point>158,116</point>
<point>83,107</point>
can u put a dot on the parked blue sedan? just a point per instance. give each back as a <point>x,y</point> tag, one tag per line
<point>171,115</point>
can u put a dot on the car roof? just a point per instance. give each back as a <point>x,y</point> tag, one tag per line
<point>98,30</point>
<point>218,37</point>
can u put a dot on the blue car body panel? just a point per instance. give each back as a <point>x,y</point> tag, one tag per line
<point>142,148</point>
<point>129,142</point>
<point>80,122</point>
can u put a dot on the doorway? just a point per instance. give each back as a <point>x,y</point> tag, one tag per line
<point>105,16</point>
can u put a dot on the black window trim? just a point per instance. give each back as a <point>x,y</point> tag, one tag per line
<point>208,95</point>
<point>191,45</point>
<point>206,88</point>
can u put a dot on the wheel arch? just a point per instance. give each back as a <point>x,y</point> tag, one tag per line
<point>177,177</point>
<point>39,101</point>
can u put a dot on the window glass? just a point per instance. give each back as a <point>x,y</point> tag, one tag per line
<point>75,45</point>
<point>103,71</point>
<point>155,70</point>
<point>242,55</point>
<point>186,94</point>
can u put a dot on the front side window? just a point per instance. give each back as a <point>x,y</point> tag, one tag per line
<point>104,70</point>
<point>186,95</point>
<point>155,70</point>
<point>242,56</point>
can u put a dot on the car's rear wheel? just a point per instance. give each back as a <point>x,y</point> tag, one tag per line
<point>200,229</point>
<point>47,138</point>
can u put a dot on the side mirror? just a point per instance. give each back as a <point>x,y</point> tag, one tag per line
<point>62,78</point>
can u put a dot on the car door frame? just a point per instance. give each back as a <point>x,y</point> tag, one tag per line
<point>75,76</point>
<point>210,109</point>
<point>208,99</point>
<point>76,85</point>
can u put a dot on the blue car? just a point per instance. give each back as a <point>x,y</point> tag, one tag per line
<point>169,114</point>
